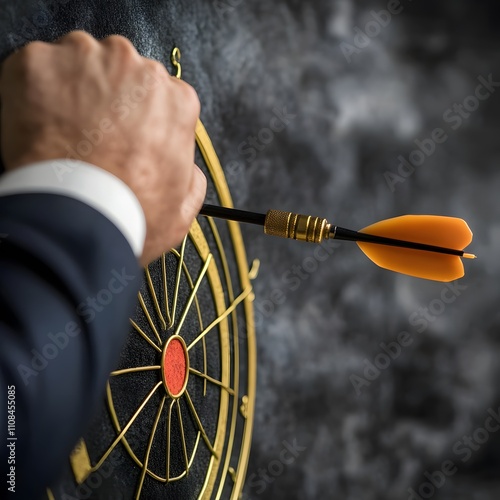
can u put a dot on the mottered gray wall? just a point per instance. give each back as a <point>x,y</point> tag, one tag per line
<point>351,108</point>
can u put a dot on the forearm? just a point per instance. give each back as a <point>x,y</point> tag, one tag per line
<point>66,291</point>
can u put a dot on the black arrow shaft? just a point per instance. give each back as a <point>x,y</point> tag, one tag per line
<point>233,214</point>
<point>340,233</point>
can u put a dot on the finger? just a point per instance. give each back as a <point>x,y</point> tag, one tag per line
<point>187,102</point>
<point>187,91</point>
<point>196,196</point>
<point>79,38</point>
<point>120,44</point>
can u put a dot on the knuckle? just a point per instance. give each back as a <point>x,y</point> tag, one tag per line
<point>81,39</point>
<point>154,74</point>
<point>30,51</point>
<point>121,44</point>
<point>186,99</point>
<point>155,69</point>
<point>33,48</point>
<point>192,99</point>
<point>26,58</point>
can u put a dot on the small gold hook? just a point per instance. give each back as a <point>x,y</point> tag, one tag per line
<point>254,271</point>
<point>176,61</point>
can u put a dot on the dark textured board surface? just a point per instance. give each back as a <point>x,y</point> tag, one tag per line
<point>323,323</point>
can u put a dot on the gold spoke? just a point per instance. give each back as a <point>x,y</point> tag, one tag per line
<point>127,427</point>
<point>199,424</point>
<point>224,315</point>
<point>200,319</point>
<point>204,365</point>
<point>165,291</point>
<point>178,279</point>
<point>148,450</point>
<point>213,380</point>
<point>168,439</point>
<point>193,293</point>
<point>184,447</point>
<point>155,299</point>
<point>149,318</point>
<point>137,328</point>
<point>134,370</point>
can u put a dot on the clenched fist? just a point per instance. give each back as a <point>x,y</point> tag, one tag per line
<point>101,102</point>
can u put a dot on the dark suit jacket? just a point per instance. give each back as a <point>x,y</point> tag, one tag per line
<point>68,282</point>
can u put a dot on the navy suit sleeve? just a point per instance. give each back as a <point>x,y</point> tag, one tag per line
<point>68,283</point>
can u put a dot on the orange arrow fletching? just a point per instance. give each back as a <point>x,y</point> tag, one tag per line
<point>447,232</point>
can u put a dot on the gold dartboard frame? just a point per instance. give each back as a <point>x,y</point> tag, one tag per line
<point>236,402</point>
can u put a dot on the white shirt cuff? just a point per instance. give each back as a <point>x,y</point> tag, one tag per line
<point>85,182</point>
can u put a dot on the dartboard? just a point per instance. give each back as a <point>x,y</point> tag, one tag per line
<point>177,420</point>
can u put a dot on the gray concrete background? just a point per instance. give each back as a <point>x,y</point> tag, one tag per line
<point>355,110</point>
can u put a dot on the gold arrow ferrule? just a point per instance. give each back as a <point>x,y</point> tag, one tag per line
<point>296,226</point>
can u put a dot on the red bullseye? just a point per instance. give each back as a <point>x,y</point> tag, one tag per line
<point>175,366</point>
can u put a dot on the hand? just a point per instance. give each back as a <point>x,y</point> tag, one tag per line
<point>101,102</point>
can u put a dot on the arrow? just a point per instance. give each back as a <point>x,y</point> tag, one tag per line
<point>424,246</point>
<point>436,256</point>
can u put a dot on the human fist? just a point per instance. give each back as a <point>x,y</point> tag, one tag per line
<point>101,102</point>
